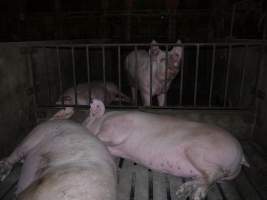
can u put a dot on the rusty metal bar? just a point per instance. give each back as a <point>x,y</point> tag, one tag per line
<point>32,81</point>
<point>104,70</point>
<point>88,75</point>
<point>181,80</point>
<point>74,75</point>
<point>212,73</point>
<point>243,73</point>
<point>152,107</point>
<point>227,75</point>
<point>135,75</point>
<point>119,69</point>
<point>59,76</point>
<point>150,78</point>
<point>234,44</point>
<point>47,75</point>
<point>165,75</point>
<point>196,75</point>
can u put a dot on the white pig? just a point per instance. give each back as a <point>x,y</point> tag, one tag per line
<point>137,64</point>
<point>62,161</point>
<point>105,92</point>
<point>179,147</point>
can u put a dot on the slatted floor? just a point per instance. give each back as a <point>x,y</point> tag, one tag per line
<point>138,183</point>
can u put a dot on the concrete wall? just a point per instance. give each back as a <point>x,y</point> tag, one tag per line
<point>16,113</point>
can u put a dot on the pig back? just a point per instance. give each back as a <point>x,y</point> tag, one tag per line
<point>71,165</point>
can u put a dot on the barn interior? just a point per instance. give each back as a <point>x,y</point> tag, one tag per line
<point>49,46</point>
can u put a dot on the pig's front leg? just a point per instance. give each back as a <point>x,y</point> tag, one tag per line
<point>30,142</point>
<point>146,99</point>
<point>161,99</point>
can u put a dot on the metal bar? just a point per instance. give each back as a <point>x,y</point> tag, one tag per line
<point>212,73</point>
<point>181,80</point>
<point>165,75</point>
<point>150,80</point>
<point>47,75</point>
<point>243,73</point>
<point>232,21</point>
<point>60,77</point>
<point>153,107</point>
<point>104,70</point>
<point>233,44</point>
<point>196,75</point>
<point>259,74</point>
<point>227,76</point>
<point>119,68</point>
<point>135,75</point>
<point>33,81</point>
<point>74,75</point>
<point>88,75</point>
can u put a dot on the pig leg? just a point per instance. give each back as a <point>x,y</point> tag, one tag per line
<point>209,173</point>
<point>161,99</point>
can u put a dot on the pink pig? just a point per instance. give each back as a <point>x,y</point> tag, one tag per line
<point>176,146</point>
<point>107,93</point>
<point>137,64</point>
<point>62,160</point>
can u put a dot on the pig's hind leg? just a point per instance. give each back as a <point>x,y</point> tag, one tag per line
<point>208,174</point>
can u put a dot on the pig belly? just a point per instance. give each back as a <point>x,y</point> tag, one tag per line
<point>166,160</point>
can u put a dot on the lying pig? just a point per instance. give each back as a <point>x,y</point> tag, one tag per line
<point>62,161</point>
<point>165,67</point>
<point>179,147</point>
<point>105,92</point>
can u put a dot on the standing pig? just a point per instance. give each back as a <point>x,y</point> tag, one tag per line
<point>165,67</point>
<point>62,161</point>
<point>105,92</point>
<point>179,147</point>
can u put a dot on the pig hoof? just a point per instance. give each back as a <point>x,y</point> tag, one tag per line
<point>5,169</point>
<point>200,193</point>
<point>185,191</point>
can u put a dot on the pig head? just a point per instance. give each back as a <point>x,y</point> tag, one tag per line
<point>107,93</point>
<point>164,66</point>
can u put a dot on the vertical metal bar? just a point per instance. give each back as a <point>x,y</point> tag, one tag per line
<point>88,75</point>
<point>243,72</point>
<point>232,21</point>
<point>59,76</point>
<point>150,79</point>
<point>181,80</point>
<point>165,75</point>
<point>259,74</point>
<point>74,74</point>
<point>212,73</point>
<point>135,75</point>
<point>104,70</point>
<point>196,75</point>
<point>227,75</point>
<point>119,69</point>
<point>33,81</point>
<point>47,75</point>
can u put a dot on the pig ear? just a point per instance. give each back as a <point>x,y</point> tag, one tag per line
<point>177,50</point>
<point>154,50</point>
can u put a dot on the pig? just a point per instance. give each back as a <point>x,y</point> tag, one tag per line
<point>163,64</point>
<point>62,160</point>
<point>205,153</point>
<point>105,92</point>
